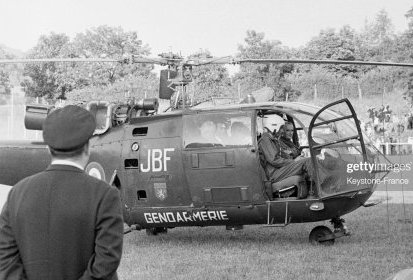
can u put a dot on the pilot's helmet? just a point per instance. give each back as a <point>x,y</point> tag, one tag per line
<point>272,122</point>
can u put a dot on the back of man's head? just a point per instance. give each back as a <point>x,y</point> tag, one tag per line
<point>67,131</point>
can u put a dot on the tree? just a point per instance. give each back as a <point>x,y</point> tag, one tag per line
<point>405,53</point>
<point>409,17</point>
<point>41,77</point>
<point>404,42</point>
<point>255,76</point>
<point>333,45</point>
<point>103,42</point>
<point>137,87</point>
<point>4,73</point>
<point>54,80</point>
<point>209,80</point>
<point>377,39</point>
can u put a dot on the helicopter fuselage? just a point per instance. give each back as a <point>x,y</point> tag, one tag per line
<point>169,176</point>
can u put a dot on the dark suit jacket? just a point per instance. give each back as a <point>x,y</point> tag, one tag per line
<point>61,224</point>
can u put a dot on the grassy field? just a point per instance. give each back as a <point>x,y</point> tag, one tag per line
<point>376,249</point>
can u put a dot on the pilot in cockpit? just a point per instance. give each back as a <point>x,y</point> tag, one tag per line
<point>281,163</point>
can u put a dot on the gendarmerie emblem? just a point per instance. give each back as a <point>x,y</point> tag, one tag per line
<point>160,191</point>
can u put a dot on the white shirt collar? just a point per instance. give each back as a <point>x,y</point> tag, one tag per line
<point>67,162</point>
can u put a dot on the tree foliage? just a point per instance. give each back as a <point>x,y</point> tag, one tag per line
<point>4,73</point>
<point>103,42</point>
<point>255,76</point>
<point>404,52</point>
<point>41,77</point>
<point>377,41</point>
<point>341,45</point>
<point>131,87</point>
<point>54,80</point>
<point>210,80</point>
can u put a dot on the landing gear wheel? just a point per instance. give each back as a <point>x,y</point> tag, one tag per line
<point>321,235</point>
<point>156,230</point>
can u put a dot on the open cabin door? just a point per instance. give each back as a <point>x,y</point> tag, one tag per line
<point>338,151</point>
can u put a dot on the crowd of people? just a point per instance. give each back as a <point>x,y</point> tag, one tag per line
<point>391,133</point>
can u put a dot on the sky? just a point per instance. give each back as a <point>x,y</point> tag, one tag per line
<point>186,26</point>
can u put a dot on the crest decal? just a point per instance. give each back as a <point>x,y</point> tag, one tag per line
<point>161,192</point>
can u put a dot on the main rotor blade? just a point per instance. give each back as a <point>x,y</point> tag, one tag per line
<point>309,61</point>
<point>151,60</point>
<point>45,60</point>
<point>215,60</point>
<point>220,60</point>
<point>132,59</point>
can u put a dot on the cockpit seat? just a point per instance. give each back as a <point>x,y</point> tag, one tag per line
<point>292,186</point>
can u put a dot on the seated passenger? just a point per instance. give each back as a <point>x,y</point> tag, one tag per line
<point>279,163</point>
<point>289,149</point>
<point>221,132</point>
<point>208,136</point>
<point>240,134</point>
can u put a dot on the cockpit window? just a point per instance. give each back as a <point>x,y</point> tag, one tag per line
<point>217,130</point>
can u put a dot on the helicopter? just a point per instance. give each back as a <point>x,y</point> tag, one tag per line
<point>171,175</point>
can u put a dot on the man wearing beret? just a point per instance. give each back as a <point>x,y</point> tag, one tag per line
<point>62,223</point>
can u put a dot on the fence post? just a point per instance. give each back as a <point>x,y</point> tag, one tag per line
<point>315,91</point>
<point>359,89</point>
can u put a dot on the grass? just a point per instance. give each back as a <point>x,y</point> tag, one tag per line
<point>375,250</point>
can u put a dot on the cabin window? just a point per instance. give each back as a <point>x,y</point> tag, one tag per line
<point>217,130</point>
<point>140,131</point>
<point>131,163</point>
<point>141,195</point>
